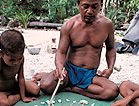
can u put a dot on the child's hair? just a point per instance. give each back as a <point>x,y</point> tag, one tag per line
<point>11,41</point>
<point>78,1</point>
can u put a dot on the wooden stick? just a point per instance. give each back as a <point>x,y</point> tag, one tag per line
<point>58,84</point>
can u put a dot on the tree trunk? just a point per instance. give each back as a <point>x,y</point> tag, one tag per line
<point>116,4</point>
<point>43,24</point>
<point>108,3</point>
<point>104,8</point>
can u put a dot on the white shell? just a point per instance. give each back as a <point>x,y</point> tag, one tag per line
<point>74,101</point>
<point>93,104</point>
<point>84,102</point>
<point>67,100</point>
<point>42,103</point>
<point>47,101</point>
<point>59,100</point>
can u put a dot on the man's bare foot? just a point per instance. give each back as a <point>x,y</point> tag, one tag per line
<point>38,76</point>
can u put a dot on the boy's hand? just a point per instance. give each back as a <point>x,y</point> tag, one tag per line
<point>29,99</point>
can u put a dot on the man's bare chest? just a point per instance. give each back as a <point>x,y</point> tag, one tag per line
<point>84,37</point>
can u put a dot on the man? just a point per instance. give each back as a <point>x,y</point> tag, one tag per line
<point>79,51</point>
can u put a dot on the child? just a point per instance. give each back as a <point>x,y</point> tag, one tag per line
<point>13,88</point>
<point>130,92</point>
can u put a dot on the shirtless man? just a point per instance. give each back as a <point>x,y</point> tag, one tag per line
<point>13,88</point>
<point>79,51</point>
<point>130,92</point>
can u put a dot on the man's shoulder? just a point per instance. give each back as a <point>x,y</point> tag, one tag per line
<point>71,22</point>
<point>73,19</point>
<point>104,19</point>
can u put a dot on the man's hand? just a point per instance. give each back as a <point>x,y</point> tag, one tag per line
<point>29,99</point>
<point>105,73</point>
<point>59,74</point>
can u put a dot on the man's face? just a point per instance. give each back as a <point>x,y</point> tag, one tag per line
<point>89,9</point>
<point>13,60</point>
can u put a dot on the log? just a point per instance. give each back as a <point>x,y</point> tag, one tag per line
<point>43,24</point>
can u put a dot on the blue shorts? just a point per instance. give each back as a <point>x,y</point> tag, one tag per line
<point>78,76</point>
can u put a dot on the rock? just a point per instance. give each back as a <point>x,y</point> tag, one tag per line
<point>4,20</point>
<point>13,23</point>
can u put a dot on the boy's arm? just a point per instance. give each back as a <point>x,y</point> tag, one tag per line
<point>125,101</point>
<point>22,85</point>
<point>0,63</point>
<point>21,81</point>
<point>134,95</point>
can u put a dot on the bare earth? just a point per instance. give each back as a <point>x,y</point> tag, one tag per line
<point>126,64</point>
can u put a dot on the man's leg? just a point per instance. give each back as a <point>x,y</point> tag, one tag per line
<point>38,76</point>
<point>101,88</point>
<point>48,84</point>
<point>32,87</point>
<point>126,88</point>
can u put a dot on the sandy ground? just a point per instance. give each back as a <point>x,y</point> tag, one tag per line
<point>127,64</point>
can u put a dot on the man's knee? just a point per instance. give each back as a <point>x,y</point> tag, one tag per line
<point>111,93</point>
<point>36,90</point>
<point>46,87</point>
<point>4,103</point>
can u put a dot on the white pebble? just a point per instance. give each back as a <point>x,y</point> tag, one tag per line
<point>93,104</point>
<point>59,100</point>
<point>35,105</point>
<point>84,102</point>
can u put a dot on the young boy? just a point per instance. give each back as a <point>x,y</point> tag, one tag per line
<point>130,92</point>
<point>13,88</point>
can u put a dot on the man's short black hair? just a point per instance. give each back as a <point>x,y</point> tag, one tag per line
<point>78,1</point>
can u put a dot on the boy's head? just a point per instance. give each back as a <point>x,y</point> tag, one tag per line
<point>11,41</point>
<point>12,47</point>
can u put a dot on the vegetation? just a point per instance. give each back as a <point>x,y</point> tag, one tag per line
<point>119,11</point>
<point>23,17</point>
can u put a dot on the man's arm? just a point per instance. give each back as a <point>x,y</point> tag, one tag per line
<point>0,65</point>
<point>60,58</point>
<point>110,50</point>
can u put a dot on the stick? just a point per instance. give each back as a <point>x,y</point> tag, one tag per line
<point>57,86</point>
